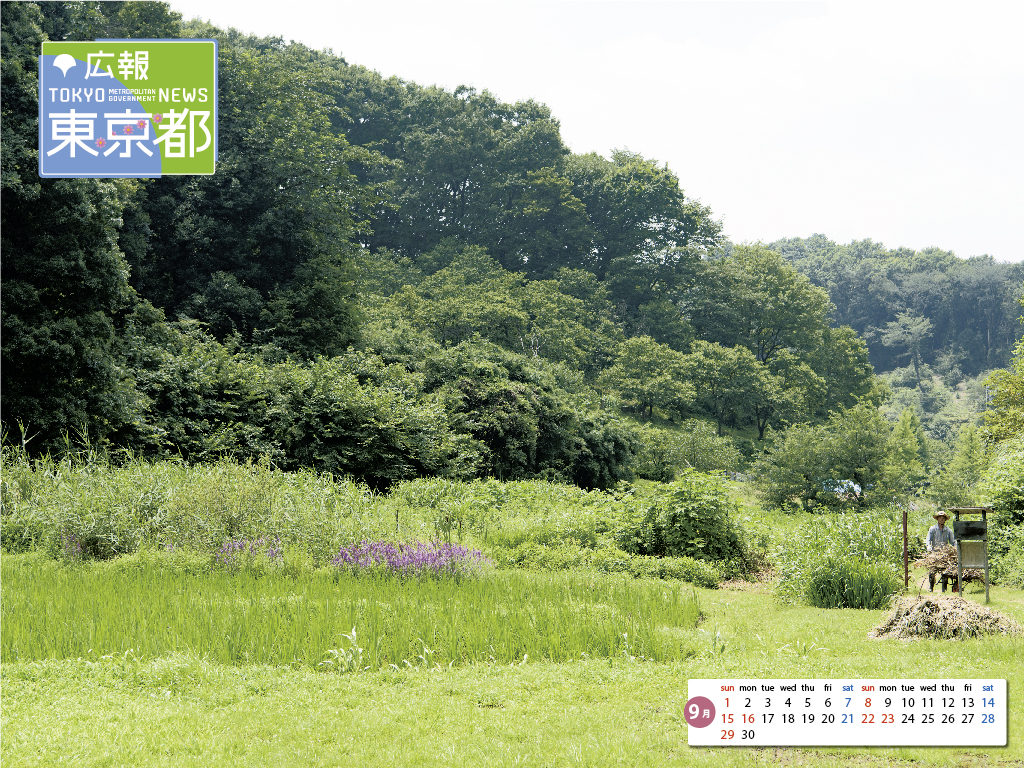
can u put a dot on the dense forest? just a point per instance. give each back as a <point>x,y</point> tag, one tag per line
<point>958,315</point>
<point>386,280</point>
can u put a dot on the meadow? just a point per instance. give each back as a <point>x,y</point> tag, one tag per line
<point>166,653</point>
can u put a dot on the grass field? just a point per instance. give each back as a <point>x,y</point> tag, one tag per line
<point>127,639</point>
<point>181,708</point>
<point>54,612</point>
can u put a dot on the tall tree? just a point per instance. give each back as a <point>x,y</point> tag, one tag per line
<point>636,208</point>
<point>649,375</point>
<point>64,276</point>
<point>757,300</point>
<point>264,247</point>
<point>909,332</point>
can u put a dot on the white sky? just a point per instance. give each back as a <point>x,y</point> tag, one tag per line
<point>899,122</point>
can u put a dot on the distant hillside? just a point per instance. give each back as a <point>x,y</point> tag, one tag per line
<point>960,315</point>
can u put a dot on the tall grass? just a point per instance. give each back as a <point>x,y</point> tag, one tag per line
<point>110,511</point>
<point>55,611</point>
<point>828,548</point>
<point>84,508</point>
<point>850,583</point>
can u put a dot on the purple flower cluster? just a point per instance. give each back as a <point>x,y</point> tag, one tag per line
<point>72,545</point>
<point>228,554</point>
<point>416,559</point>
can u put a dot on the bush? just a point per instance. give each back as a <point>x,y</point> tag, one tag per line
<point>148,559</point>
<point>851,583</point>
<point>692,517</point>
<point>1006,552</point>
<point>1002,484</point>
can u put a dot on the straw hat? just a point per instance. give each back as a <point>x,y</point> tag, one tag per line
<point>937,515</point>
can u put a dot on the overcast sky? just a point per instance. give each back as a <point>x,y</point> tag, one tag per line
<point>899,122</point>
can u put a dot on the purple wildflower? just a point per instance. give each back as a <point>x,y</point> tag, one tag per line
<point>416,559</point>
<point>230,550</point>
<point>72,545</point>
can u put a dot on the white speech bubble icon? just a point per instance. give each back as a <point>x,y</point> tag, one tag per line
<point>64,62</point>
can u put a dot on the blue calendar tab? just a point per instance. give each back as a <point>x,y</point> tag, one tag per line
<point>846,712</point>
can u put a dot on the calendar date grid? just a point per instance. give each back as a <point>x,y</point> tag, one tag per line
<point>847,712</point>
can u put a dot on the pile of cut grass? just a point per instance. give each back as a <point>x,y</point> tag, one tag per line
<point>944,561</point>
<point>944,618</point>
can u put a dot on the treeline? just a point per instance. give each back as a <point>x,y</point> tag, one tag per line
<point>959,316</point>
<point>390,281</point>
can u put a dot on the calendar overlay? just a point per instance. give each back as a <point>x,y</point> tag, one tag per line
<point>846,712</point>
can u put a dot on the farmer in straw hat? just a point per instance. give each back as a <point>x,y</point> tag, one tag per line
<point>939,536</point>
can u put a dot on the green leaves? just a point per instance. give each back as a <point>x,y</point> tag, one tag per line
<point>280,216</point>
<point>692,517</point>
<point>649,375</point>
<point>846,462</point>
<point>843,561</point>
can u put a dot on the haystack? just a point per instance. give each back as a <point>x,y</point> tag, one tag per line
<point>944,618</point>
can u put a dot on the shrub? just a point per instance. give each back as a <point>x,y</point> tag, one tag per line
<point>851,583</point>
<point>1002,484</point>
<point>555,526</point>
<point>148,559</point>
<point>695,444</point>
<point>692,517</point>
<point>1006,550</point>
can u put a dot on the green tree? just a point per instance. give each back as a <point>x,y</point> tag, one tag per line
<point>726,380</point>
<point>636,209</point>
<point>957,484</point>
<point>1002,482</point>
<point>649,375</point>
<point>757,300</point>
<point>1004,419</point>
<point>860,452</point>
<point>545,228</point>
<point>909,332</point>
<point>906,449</point>
<point>64,275</point>
<point>795,468</point>
<point>842,463</point>
<point>264,247</point>
<point>467,167</point>
<point>842,362</point>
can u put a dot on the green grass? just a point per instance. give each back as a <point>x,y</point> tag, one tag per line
<point>184,710</point>
<point>56,612</point>
<point>151,659</point>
